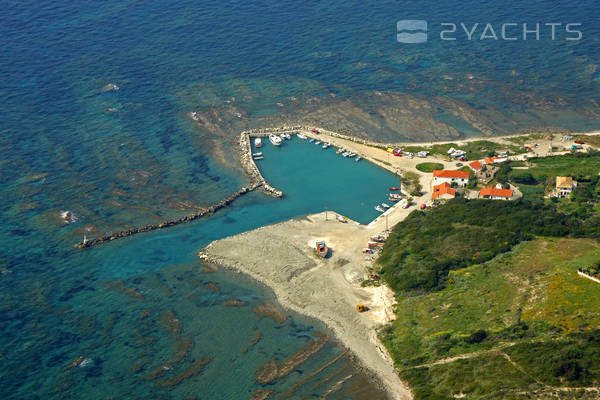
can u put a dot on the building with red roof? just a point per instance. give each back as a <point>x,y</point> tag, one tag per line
<point>443,191</point>
<point>459,178</point>
<point>476,165</point>
<point>493,193</point>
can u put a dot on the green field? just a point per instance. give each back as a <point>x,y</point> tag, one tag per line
<point>489,303</point>
<point>429,166</point>
<point>539,317</point>
<point>540,175</point>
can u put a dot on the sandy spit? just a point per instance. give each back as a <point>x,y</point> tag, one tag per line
<point>281,256</point>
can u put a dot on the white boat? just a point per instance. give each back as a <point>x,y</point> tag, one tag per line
<point>318,142</point>
<point>326,145</point>
<point>257,142</point>
<point>257,154</point>
<point>351,155</point>
<point>282,136</point>
<point>311,140</point>
<point>385,205</point>
<point>341,219</point>
<point>358,159</point>
<point>395,196</point>
<point>345,154</point>
<point>378,208</point>
<point>338,151</point>
<point>259,158</point>
<point>287,136</point>
<point>301,136</point>
<point>275,140</point>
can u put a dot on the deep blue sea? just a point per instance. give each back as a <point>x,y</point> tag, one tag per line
<point>143,311</point>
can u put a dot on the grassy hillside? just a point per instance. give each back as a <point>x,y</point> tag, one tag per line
<point>424,247</point>
<point>525,319</point>
<point>490,305</point>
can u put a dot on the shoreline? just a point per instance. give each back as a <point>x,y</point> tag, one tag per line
<point>323,289</point>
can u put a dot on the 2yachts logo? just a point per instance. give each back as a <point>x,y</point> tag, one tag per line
<point>509,31</point>
<point>411,25</point>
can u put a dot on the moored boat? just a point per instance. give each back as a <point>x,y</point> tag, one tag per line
<point>395,196</point>
<point>378,208</point>
<point>322,249</point>
<point>372,244</point>
<point>312,140</point>
<point>394,188</point>
<point>358,159</point>
<point>351,155</point>
<point>339,151</point>
<point>275,140</point>
<point>257,154</point>
<point>301,136</point>
<point>258,142</point>
<point>318,142</point>
<point>287,136</point>
<point>385,205</point>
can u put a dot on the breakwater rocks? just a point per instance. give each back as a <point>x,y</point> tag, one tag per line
<point>147,228</point>
<point>252,170</point>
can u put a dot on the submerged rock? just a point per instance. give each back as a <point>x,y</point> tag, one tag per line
<point>109,87</point>
<point>272,311</point>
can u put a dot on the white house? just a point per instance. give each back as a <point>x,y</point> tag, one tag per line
<point>564,186</point>
<point>460,178</point>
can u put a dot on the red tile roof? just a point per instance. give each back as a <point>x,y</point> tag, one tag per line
<point>476,165</point>
<point>491,191</point>
<point>442,173</point>
<point>442,189</point>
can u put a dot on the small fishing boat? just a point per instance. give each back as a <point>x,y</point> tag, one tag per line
<point>367,251</point>
<point>378,238</point>
<point>322,249</point>
<point>258,142</point>
<point>318,142</point>
<point>282,136</point>
<point>338,151</point>
<point>395,196</point>
<point>378,208</point>
<point>394,188</point>
<point>385,205</point>
<point>287,136</point>
<point>301,136</point>
<point>257,154</point>
<point>312,140</point>
<point>259,158</point>
<point>372,244</point>
<point>345,154</point>
<point>341,219</point>
<point>325,146</point>
<point>275,140</point>
<point>357,159</point>
<point>351,155</point>
<point>393,200</point>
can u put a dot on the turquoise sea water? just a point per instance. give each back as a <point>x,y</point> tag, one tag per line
<point>129,157</point>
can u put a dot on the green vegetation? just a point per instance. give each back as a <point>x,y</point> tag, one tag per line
<point>527,307</point>
<point>429,166</point>
<point>539,179</point>
<point>424,247</point>
<point>474,150</point>
<point>411,181</point>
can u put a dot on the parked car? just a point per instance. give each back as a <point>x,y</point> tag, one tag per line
<point>458,164</point>
<point>423,206</point>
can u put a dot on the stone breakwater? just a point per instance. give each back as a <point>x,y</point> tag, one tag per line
<point>308,130</point>
<point>251,169</point>
<point>210,210</point>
